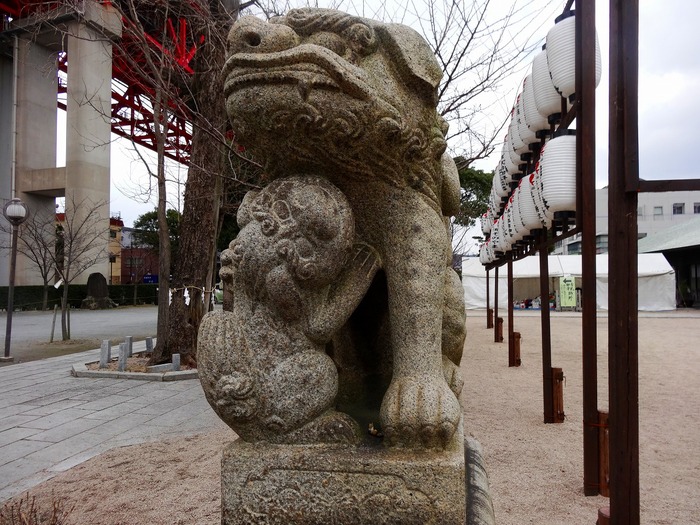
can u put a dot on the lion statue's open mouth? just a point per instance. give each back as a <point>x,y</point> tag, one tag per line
<point>308,66</point>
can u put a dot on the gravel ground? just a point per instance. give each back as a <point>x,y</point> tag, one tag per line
<point>535,469</point>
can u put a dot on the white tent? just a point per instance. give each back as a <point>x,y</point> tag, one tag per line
<point>657,281</point>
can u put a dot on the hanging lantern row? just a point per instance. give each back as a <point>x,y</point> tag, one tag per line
<point>521,203</point>
<point>549,189</point>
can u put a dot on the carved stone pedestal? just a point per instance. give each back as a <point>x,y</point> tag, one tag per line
<point>324,484</point>
<point>370,484</point>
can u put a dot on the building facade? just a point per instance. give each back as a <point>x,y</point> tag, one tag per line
<point>139,264</point>
<point>116,226</point>
<point>655,212</point>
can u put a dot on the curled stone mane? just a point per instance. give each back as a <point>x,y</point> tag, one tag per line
<point>404,154</point>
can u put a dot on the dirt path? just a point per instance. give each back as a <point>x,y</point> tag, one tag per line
<point>535,469</point>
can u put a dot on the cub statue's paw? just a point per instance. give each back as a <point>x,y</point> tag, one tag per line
<point>419,412</point>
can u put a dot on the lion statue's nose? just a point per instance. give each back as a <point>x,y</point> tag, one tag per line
<point>252,35</point>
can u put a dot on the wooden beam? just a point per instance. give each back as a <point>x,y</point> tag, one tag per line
<point>585,179</point>
<point>623,343</point>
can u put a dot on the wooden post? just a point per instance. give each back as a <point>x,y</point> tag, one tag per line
<point>603,516</point>
<point>496,337</point>
<point>585,218</point>
<point>623,333</point>
<point>604,450</point>
<point>558,395</point>
<point>547,382</point>
<point>516,350</point>
<point>489,311</point>
<point>511,333</point>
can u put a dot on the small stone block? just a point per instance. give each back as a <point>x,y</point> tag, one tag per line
<point>352,485</point>
<point>129,341</point>
<point>149,345</point>
<point>176,362</point>
<point>123,356</point>
<point>8,359</point>
<point>105,353</point>
<point>165,367</point>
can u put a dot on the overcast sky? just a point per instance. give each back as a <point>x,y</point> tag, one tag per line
<point>668,100</point>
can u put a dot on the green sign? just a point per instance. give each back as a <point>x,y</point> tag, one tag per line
<point>567,292</point>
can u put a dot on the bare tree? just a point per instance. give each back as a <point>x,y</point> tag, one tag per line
<point>79,244</point>
<point>478,44</point>
<point>483,47</point>
<point>37,243</point>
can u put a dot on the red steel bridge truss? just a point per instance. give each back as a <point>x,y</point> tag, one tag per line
<point>169,38</point>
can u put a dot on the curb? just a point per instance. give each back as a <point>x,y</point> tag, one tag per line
<point>81,370</point>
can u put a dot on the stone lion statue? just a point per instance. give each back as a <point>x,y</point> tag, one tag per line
<point>346,310</point>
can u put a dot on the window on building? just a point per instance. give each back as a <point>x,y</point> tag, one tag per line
<point>679,208</point>
<point>696,207</point>
<point>112,234</point>
<point>601,244</point>
<point>640,211</point>
<point>658,212</point>
<point>574,248</point>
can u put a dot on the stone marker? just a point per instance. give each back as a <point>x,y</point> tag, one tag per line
<point>123,355</point>
<point>97,293</point>
<point>176,362</point>
<point>149,345</point>
<point>105,353</point>
<point>129,341</point>
<point>346,313</point>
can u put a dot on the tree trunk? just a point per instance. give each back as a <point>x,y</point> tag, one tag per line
<point>65,313</point>
<point>163,241</point>
<point>45,298</point>
<point>200,216</point>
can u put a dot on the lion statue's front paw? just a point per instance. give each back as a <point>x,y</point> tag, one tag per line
<point>419,411</point>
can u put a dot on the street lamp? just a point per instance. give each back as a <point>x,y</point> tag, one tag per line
<point>15,211</point>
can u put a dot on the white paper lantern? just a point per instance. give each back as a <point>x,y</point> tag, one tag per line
<point>538,199</point>
<point>516,223</point>
<point>498,239</point>
<point>533,119</point>
<point>520,228</point>
<point>494,203</point>
<point>561,55</point>
<point>528,213</point>
<point>498,188</point>
<point>482,254</point>
<point>558,174</point>
<point>485,224</point>
<point>512,159</point>
<point>516,142</point>
<point>508,230</point>
<point>505,176</point>
<point>502,180</point>
<point>547,98</point>
<point>489,256</point>
<point>526,134</point>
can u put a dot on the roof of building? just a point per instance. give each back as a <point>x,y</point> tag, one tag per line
<point>683,235</point>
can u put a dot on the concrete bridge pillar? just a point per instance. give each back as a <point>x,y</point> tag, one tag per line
<point>30,95</point>
<point>88,135</point>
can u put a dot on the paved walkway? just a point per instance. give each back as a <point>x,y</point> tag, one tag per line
<point>51,421</point>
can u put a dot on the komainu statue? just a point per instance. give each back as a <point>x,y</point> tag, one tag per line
<point>346,311</point>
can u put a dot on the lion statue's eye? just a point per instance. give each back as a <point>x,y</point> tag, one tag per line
<point>362,39</point>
